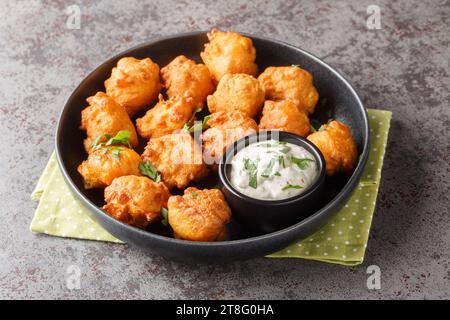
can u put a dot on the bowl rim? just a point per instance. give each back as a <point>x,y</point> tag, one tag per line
<point>267,135</point>
<point>334,204</point>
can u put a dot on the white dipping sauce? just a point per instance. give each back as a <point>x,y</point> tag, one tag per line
<point>273,170</point>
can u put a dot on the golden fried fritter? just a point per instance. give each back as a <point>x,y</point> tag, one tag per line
<point>102,116</point>
<point>136,201</point>
<point>199,215</point>
<point>285,116</point>
<point>229,52</point>
<point>290,83</point>
<point>338,147</point>
<point>102,166</point>
<point>237,91</point>
<point>134,83</point>
<point>178,158</point>
<point>165,117</point>
<point>224,129</point>
<point>183,77</point>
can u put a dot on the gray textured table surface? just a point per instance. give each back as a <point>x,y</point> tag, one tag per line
<point>401,67</point>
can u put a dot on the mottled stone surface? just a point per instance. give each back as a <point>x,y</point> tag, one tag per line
<point>403,67</point>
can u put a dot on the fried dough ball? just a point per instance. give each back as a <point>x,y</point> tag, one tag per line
<point>102,166</point>
<point>285,116</point>
<point>224,129</point>
<point>290,83</point>
<point>238,91</point>
<point>165,117</point>
<point>104,115</point>
<point>135,200</point>
<point>339,149</point>
<point>134,83</point>
<point>199,215</point>
<point>229,52</point>
<point>178,157</point>
<point>183,77</point>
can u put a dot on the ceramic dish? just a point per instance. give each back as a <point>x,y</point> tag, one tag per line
<point>337,97</point>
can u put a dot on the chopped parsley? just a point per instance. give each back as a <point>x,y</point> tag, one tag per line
<point>148,169</point>
<point>302,163</point>
<point>268,170</point>
<point>291,186</point>
<point>197,126</point>
<point>285,149</point>
<point>281,161</point>
<point>251,169</point>
<point>112,144</point>
<point>164,220</point>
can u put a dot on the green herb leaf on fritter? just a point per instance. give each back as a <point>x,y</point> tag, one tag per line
<point>164,220</point>
<point>148,169</point>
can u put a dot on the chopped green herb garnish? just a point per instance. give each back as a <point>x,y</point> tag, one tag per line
<point>121,138</point>
<point>164,220</point>
<point>277,174</point>
<point>115,152</point>
<point>281,161</point>
<point>295,65</point>
<point>268,170</point>
<point>198,126</point>
<point>148,169</point>
<point>251,168</point>
<point>322,128</point>
<point>188,123</point>
<point>302,163</point>
<point>96,141</point>
<point>193,193</point>
<point>285,149</point>
<point>291,186</point>
<point>282,142</point>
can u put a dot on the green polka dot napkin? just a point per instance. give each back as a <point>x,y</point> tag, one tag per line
<point>342,240</point>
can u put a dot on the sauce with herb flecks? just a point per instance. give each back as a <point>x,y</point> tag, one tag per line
<point>273,170</point>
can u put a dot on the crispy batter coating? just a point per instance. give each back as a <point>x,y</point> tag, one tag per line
<point>104,115</point>
<point>134,83</point>
<point>237,91</point>
<point>337,146</point>
<point>224,129</point>
<point>165,117</point>
<point>183,77</point>
<point>229,52</point>
<point>100,168</point>
<point>290,83</point>
<point>178,157</point>
<point>135,200</point>
<point>285,116</point>
<point>199,215</point>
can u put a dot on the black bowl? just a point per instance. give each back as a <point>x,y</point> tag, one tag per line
<point>336,96</point>
<point>266,216</point>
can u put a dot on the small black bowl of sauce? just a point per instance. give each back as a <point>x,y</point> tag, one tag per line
<point>272,179</point>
